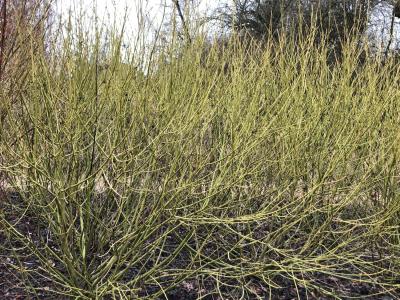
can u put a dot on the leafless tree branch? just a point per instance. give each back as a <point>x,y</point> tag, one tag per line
<point>184,24</point>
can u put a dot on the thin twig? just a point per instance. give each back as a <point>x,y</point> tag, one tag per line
<point>3,35</point>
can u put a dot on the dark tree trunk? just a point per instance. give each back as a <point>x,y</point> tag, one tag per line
<point>396,11</point>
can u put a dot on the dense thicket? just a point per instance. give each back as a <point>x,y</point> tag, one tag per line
<point>256,171</point>
<point>277,178</point>
<point>22,25</point>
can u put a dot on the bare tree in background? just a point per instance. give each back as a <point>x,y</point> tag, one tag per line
<point>396,9</point>
<point>183,20</point>
<point>334,19</point>
<point>186,19</point>
<point>395,14</point>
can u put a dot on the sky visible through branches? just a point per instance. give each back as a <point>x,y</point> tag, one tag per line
<point>111,12</point>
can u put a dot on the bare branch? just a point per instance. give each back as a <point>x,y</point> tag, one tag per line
<point>184,25</point>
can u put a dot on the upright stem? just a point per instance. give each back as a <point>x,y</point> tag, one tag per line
<point>3,35</point>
